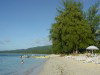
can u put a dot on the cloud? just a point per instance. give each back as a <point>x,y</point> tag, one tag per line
<point>4,42</point>
<point>46,41</point>
<point>41,42</point>
<point>7,41</point>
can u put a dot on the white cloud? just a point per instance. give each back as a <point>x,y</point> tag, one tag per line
<point>4,42</point>
<point>41,42</point>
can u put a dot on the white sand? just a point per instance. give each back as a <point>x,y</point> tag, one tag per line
<point>61,66</point>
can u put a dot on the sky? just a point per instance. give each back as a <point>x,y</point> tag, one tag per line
<point>26,23</point>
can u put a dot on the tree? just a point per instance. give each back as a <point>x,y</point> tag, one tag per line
<point>93,16</point>
<point>71,31</point>
<point>56,38</point>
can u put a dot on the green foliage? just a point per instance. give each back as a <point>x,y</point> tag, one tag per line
<point>99,32</point>
<point>34,50</point>
<point>93,16</point>
<point>71,31</point>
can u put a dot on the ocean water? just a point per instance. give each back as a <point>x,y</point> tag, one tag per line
<point>10,64</point>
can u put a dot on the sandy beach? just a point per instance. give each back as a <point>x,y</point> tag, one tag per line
<point>56,65</point>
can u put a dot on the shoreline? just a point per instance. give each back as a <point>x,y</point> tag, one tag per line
<point>56,65</point>
<point>37,69</point>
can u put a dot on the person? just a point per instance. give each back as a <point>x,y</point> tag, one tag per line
<point>22,61</point>
<point>20,56</point>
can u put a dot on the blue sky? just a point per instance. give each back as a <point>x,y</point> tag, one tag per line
<point>26,23</point>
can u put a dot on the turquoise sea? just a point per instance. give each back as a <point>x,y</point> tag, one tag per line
<point>10,64</point>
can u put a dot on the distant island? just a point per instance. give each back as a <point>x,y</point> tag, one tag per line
<point>33,50</point>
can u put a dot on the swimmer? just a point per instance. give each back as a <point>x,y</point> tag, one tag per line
<point>22,61</point>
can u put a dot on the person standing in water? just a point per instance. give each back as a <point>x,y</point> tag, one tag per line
<point>22,62</point>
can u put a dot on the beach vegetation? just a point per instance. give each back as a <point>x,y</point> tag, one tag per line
<point>72,31</point>
<point>93,16</point>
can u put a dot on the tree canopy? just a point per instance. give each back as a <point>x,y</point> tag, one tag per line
<point>93,16</point>
<point>71,31</point>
